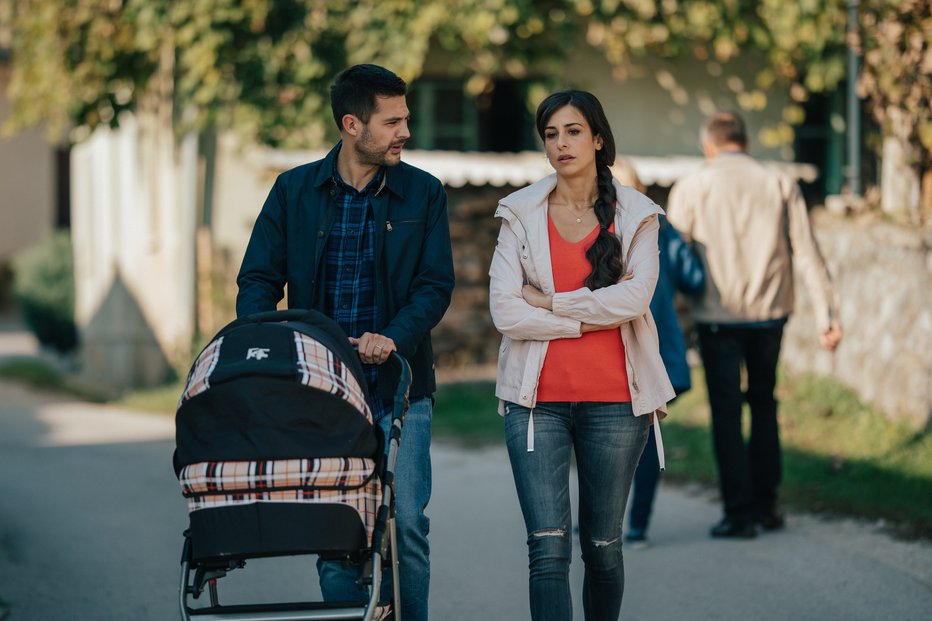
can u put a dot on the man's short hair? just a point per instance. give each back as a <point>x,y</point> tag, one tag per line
<point>724,128</point>
<point>354,91</point>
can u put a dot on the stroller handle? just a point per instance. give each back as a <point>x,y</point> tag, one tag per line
<point>400,398</point>
<point>404,383</point>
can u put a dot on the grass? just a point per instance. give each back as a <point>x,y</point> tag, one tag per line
<point>161,399</point>
<point>40,375</point>
<point>466,413</point>
<point>32,372</point>
<point>840,457</point>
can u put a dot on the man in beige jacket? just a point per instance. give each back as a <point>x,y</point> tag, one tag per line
<point>750,226</point>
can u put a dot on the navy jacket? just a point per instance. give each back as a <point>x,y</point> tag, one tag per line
<point>680,270</point>
<point>413,257</point>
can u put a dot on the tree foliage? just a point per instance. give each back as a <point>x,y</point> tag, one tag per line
<point>44,287</point>
<point>264,66</point>
<point>897,76</point>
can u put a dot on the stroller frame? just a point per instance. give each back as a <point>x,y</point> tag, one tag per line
<point>197,576</point>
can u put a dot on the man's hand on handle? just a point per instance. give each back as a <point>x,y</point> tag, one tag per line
<point>373,348</point>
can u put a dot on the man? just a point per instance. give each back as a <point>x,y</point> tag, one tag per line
<point>364,238</point>
<point>750,226</point>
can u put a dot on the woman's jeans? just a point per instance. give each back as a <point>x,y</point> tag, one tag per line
<point>608,440</point>
<point>412,489</point>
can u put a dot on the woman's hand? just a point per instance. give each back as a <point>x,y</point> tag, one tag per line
<point>533,296</point>
<point>591,327</point>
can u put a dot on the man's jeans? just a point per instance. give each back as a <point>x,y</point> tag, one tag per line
<point>608,440</point>
<point>412,489</point>
<point>749,473</point>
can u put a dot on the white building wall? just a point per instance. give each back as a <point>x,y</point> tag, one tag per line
<point>133,220</point>
<point>658,109</point>
<point>242,183</point>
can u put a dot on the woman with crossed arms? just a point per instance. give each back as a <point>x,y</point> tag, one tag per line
<point>579,365</point>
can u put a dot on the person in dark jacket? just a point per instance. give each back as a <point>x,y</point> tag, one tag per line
<point>364,238</point>
<point>680,270</point>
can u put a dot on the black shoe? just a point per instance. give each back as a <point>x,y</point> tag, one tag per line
<point>734,528</point>
<point>637,538</point>
<point>771,521</point>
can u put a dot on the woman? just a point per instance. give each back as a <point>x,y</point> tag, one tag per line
<point>579,366</point>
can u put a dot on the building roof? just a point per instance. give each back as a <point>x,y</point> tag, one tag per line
<point>457,169</point>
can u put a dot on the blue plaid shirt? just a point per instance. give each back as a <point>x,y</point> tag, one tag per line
<point>350,271</point>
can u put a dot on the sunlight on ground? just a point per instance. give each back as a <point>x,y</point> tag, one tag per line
<point>75,424</point>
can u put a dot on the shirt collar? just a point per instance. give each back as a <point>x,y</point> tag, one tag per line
<point>391,178</point>
<point>374,186</point>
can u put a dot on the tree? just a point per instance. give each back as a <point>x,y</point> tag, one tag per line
<point>261,66</point>
<point>897,82</point>
<point>264,66</point>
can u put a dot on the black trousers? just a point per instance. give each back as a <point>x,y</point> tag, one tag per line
<point>749,472</point>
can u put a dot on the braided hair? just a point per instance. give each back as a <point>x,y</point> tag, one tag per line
<point>604,255</point>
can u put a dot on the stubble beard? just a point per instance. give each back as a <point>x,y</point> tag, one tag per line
<point>369,153</point>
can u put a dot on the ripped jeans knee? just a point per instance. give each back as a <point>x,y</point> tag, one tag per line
<point>602,554</point>
<point>549,552</point>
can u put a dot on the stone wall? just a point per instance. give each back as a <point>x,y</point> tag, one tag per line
<point>883,278</point>
<point>466,336</point>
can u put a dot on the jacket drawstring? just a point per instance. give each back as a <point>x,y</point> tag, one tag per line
<point>659,441</point>
<point>530,432</point>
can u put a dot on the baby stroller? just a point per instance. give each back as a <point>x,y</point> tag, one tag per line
<point>277,455</point>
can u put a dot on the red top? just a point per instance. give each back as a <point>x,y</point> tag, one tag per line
<point>592,367</point>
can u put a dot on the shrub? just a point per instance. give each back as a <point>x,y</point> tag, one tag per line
<point>43,284</point>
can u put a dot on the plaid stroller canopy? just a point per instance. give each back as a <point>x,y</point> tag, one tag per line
<point>275,390</point>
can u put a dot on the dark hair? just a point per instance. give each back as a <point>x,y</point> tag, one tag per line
<point>724,128</point>
<point>604,254</point>
<point>354,91</point>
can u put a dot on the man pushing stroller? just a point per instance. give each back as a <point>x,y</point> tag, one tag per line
<point>364,238</point>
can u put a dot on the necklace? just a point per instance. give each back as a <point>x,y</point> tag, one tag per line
<point>573,213</point>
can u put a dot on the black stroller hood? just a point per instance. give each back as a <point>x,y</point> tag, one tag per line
<point>278,385</point>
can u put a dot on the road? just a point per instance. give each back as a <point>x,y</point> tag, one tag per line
<point>91,520</point>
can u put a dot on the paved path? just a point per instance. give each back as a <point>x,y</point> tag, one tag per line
<point>91,521</point>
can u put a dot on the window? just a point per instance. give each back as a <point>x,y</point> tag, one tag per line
<point>445,117</point>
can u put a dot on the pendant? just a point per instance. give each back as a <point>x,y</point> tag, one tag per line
<point>578,220</point>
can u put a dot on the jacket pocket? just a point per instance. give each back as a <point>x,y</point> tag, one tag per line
<point>531,276</point>
<point>390,225</point>
<point>403,235</point>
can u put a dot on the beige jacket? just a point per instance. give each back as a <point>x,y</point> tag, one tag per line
<point>523,256</point>
<point>751,228</point>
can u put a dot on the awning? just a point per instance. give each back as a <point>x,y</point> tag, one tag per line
<point>457,169</point>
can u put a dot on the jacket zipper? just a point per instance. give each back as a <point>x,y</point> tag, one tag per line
<point>389,227</point>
